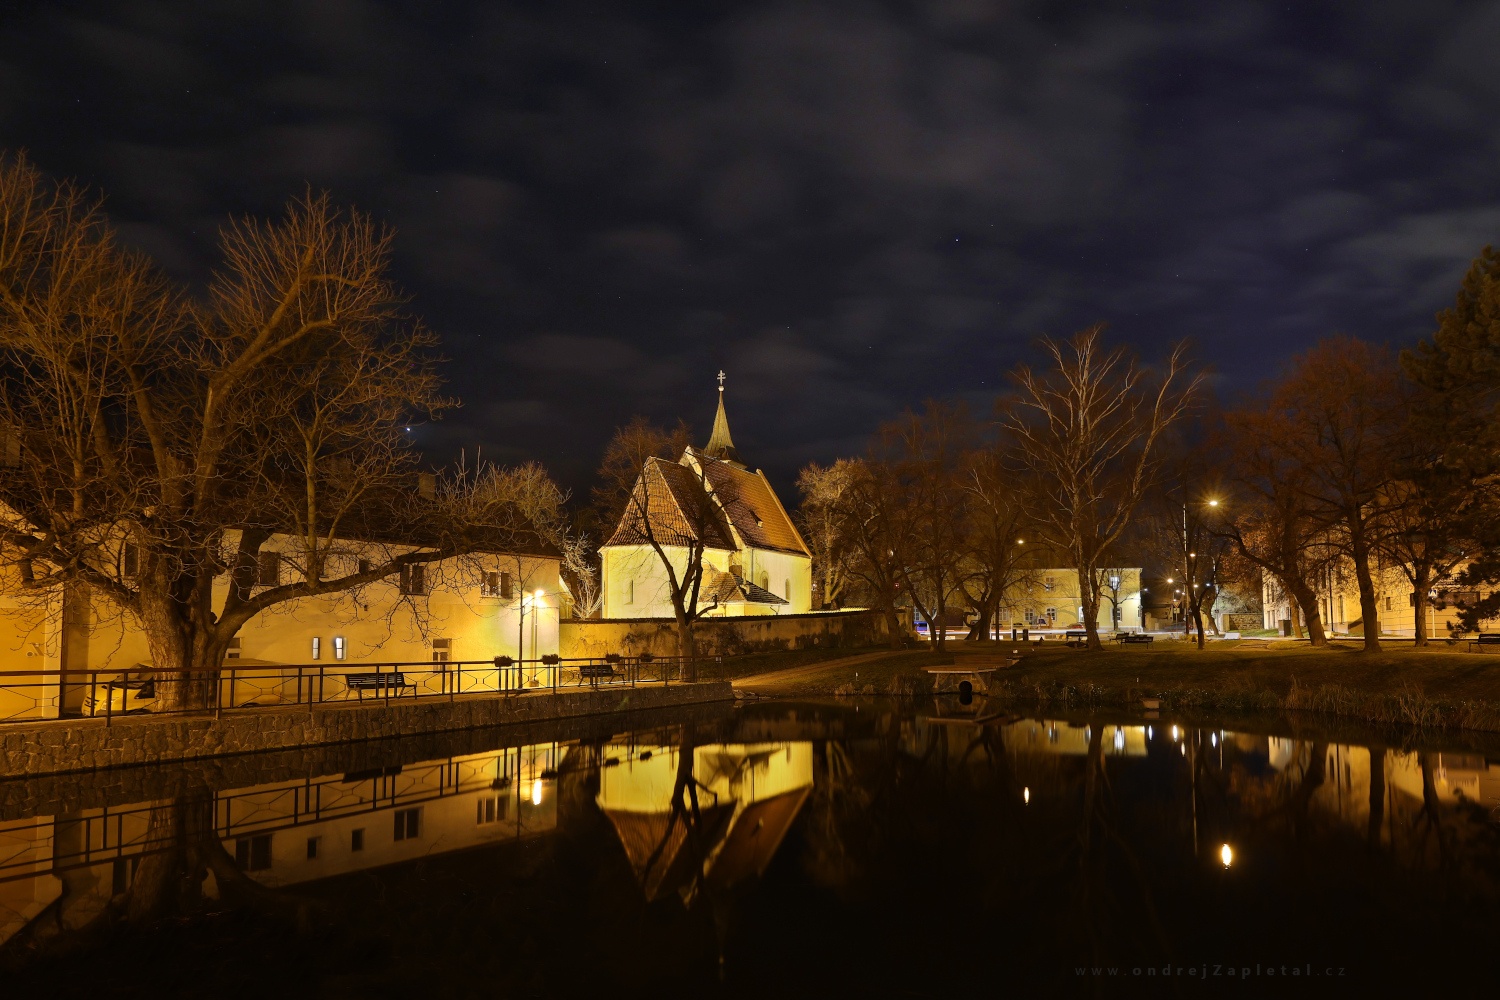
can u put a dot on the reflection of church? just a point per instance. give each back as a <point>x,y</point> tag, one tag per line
<point>747,798</point>
<point>754,560</point>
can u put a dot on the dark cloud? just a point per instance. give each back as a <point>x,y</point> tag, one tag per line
<point>849,206</point>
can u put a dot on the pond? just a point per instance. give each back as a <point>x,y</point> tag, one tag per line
<point>845,848</point>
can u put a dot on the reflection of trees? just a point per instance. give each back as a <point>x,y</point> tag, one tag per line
<point>181,850</point>
<point>1103,864</point>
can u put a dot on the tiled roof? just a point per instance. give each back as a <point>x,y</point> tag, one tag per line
<point>731,589</point>
<point>752,507</point>
<point>677,507</point>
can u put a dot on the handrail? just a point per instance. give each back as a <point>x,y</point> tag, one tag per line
<point>109,692</point>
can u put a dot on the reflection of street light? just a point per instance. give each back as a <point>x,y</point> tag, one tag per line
<point>536,792</point>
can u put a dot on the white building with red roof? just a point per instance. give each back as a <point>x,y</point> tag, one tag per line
<point>754,560</point>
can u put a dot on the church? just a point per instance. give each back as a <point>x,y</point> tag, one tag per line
<point>754,560</point>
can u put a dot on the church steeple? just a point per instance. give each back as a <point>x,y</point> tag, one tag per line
<point>720,445</point>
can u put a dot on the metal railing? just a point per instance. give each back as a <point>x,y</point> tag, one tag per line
<point>35,695</point>
<point>113,835</point>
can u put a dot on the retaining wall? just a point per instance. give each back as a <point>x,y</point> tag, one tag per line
<point>723,636</point>
<point>32,748</point>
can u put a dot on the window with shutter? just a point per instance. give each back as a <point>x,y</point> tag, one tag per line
<point>414,579</point>
<point>269,569</point>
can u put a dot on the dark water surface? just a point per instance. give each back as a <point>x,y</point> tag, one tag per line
<point>859,848</point>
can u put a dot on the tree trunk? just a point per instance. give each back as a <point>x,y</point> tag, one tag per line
<point>1088,593</point>
<point>1308,602</point>
<point>185,663</point>
<point>1377,794</point>
<point>893,625</point>
<point>1198,624</point>
<point>1369,610</point>
<point>983,626</point>
<point>1421,582</point>
<point>687,647</point>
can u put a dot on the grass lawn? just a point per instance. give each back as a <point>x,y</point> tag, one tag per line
<point>1439,686</point>
<point>734,667</point>
<point>868,672</point>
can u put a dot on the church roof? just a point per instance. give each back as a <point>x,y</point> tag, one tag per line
<point>752,507</point>
<point>674,501</point>
<point>732,589</point>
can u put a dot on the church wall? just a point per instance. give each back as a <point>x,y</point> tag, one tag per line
<point>783,574</point>
<point>635,582</point>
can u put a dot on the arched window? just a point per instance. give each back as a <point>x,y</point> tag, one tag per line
<point>765,580</point>
<point>630,592</point>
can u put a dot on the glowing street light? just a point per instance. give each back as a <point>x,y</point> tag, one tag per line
<point>1026,795</point>
<point>1226,855</point>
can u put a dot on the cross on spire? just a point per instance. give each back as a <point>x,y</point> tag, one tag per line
<point>721,379</point>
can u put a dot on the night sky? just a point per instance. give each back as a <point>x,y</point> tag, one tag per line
<point>849,207</point>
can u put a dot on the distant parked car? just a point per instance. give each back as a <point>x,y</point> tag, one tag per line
<point>120,697</point>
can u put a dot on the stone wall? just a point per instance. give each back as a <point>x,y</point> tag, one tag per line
<point>33,748</point>
<point>76,791</point>
<point>724,636</point>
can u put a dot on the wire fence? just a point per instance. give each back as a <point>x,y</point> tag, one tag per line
<point>32,695</point>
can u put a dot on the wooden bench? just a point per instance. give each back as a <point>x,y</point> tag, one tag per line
<point>1137,637</point>
<point>1077,635</point>
<point>375,682</point>
<point>1485,639</point>
<point>596,672</point>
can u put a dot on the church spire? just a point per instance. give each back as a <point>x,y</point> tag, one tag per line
<point>719,443</point>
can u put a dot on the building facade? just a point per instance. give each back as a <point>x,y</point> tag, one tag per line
<point>466,608</point>
<point>754,560</point>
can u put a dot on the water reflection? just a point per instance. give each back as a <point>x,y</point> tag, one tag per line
<point>818,840</point>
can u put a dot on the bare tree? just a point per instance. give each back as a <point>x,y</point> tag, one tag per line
<point>166,439</point>
<point>1343,417</point>
<point>1184,515</point>
<point>919,459</point>
<point>820,517</point>
<point>1271,521</point>
<point>995,557</point>
<point>666,506</point>
<point>874,532</point>
<point>1087,434</point>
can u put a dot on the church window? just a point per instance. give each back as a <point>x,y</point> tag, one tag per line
<point>630,592</point>
<point>765,580</point>
<point>787,586</point>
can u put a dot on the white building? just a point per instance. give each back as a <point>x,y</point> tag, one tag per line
<point>754,560</point>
